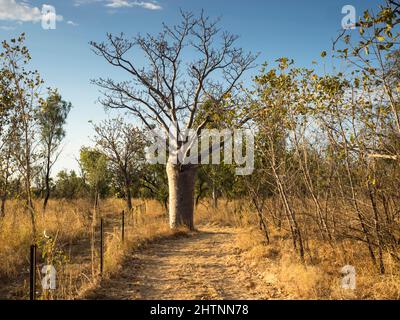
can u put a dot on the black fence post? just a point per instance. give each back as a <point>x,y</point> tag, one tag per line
<point>32,278</point>
<point>101,246</point>
<point>123,226</point>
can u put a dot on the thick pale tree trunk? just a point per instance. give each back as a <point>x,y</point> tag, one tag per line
<point>181,180</point>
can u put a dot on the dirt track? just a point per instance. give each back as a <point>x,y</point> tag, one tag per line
<point>204,265</point>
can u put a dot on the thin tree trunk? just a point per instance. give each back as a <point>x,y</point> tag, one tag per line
<point>46,196</point>
<point>214,196</point>
<point>5,185</point>
<point>321,222</point>
<point>181,181</point>
<point>353,200</point>
<point>47,185</point>
<point>290,213</point>
<point>296,233</point>
<point>3,205</point>
<point>30,205</point>
<point>377,228</point>
<point>262,223</point>
<point>128,193</point>
<point>93,231</point>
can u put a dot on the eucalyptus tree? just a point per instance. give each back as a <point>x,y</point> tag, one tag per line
<point>186,65</point>
<point>25,85</point>
<point>278,96</point>
<point>6,172</point>
<point>375,113</point>
<point>372,55</point>
<point>94,164</point>
<point>52,118</point>
<point>6,127</point>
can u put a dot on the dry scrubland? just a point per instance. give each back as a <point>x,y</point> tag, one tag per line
<point>69,223</point>
<point>324,191</point>
<point>276,263</point>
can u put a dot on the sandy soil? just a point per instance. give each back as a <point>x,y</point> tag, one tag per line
<point>204,265</point>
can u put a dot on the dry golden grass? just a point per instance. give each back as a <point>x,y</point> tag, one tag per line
<point>69,222</point>
<point>319,277</point>
<point>276,263</point>
<point>62,218</point>
<point>228,213</point>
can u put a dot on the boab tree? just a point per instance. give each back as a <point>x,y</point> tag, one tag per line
<point>188,65</point>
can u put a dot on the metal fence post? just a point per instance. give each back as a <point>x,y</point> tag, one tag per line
<point>123,226</point>
<point>101,246</point>
<point>32,278</point>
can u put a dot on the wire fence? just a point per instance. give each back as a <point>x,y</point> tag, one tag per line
<point>47,272</point>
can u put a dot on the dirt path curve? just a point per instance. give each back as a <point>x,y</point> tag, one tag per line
<point>204,265</point>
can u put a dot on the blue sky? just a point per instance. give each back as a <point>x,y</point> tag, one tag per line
<point>292,28</point>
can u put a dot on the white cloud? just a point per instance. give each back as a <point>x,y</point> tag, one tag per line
<point>7,28</point>
<point>49,13</point>
<point>148,5</point>
<point>118,4</point>
<point>115,4</point>
<point>142,4</point>
<point>13,10</point>
<point>78,3</point>
<point>71,23</point>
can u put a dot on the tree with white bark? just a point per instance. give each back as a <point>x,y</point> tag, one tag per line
<point>188,65</point>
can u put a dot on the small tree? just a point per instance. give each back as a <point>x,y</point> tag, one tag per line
<point>25,85</point>
<point>155,183</point>
<point>95,166</point>
<point>6,170</point>
<point>6,128</point>
<point>374,56</point>
<point>95,170</point>
<point>51,120</point>
<point>123,145</point>
<point>69,185</point>
<point>369,53</point>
